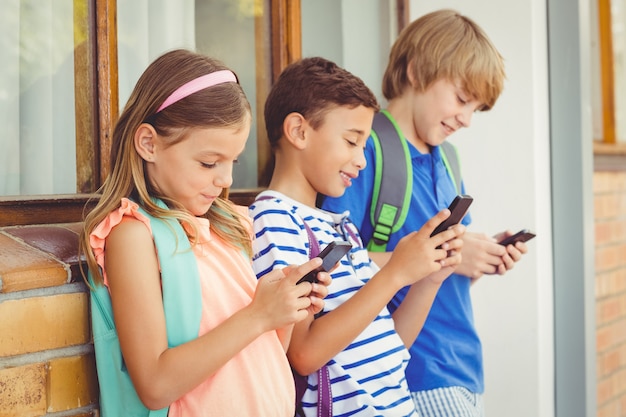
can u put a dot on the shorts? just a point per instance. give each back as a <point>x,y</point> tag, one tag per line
<point>448,402</point>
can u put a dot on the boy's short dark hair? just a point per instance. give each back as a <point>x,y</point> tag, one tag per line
<point>445,44</point>
<point>311,86</point>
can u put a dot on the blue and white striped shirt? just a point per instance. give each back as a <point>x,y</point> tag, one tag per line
<point>367,377</point>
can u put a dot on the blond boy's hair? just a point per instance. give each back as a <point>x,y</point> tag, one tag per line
<point>445,44</point>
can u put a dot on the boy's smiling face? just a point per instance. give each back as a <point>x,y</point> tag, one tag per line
<point>440,110</point>
<point>335,149</point>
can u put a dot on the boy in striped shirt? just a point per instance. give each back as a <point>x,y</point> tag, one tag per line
<point>318,117</point>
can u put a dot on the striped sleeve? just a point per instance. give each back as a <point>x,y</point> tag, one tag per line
<point>280,238</point>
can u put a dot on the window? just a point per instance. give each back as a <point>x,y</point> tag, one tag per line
<point>609,86</point>
<point>57,148</point>
<point>37,95</point>
<point>63,84</point>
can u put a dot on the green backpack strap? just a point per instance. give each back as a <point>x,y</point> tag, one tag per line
<point>393,181</point>
<point>450,158</point>
<point>390,199</point>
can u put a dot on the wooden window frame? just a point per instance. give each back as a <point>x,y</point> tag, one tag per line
<point>609,154</point>
<point>96,96</point>
<point>96,78</point>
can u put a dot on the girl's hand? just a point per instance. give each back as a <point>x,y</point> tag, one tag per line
<point>317,291</point>
<point>278,301</point>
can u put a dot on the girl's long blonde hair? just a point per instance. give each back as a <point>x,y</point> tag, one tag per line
<point>222,105</point>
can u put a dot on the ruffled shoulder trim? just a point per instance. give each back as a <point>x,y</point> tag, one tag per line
<point>98,236</point>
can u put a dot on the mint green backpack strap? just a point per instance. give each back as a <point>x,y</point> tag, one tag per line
<point>182,294</point>
<point>117,392</point>
<point>182,302</point>
<point>393,181</point>
<point>450,158</point>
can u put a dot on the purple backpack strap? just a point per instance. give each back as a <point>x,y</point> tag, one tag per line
<point>324,393</point>
<point>314,246</point>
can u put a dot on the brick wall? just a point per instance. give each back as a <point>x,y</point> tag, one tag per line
<point>46,355</point>
<point>610,261</point>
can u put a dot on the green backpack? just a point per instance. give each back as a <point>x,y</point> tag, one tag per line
<point>393,180</point>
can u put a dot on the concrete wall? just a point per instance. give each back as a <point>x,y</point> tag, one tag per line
<point>506,166</point>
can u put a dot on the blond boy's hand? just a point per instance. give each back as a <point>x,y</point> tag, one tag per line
<point>483,254</point>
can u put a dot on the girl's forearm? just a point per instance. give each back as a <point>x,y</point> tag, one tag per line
<point>179,370</point>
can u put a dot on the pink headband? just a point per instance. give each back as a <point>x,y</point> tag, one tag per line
<point>200,83</point>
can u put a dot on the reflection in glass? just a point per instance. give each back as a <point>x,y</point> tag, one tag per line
<point>224,29</point>
<point>37,141</point>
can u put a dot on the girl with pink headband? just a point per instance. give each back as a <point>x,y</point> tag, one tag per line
<point>181,326</point>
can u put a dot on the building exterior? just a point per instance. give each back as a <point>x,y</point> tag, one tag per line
<point>553,329</point>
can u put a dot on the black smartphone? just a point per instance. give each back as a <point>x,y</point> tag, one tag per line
<point>458,208</point>
<point>523,235</point>
<point>330,256</point>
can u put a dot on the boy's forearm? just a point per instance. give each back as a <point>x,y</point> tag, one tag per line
<point>380,258</point>
<point>410,316</point>
<point>333,332</point>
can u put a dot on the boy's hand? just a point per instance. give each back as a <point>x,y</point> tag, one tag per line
<point>418,255</point>
<point>513,252</point>
<point>483,254</point>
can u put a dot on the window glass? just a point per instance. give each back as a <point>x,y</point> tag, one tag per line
<point>37,140</point>
<point>224,29</point>
<point>596,75</point>
<point>329,28</point>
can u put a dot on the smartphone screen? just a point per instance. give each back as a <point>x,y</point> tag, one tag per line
<point>458,208</point>
<point>330,256</point>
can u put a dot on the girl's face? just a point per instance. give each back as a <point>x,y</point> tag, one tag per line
<point>443,108</point>
<point>336,149</point>
<point>195,170</point>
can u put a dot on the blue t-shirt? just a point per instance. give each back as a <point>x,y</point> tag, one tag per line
<point>447,352</point>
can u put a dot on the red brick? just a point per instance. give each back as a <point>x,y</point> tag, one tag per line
<point>621,408</point>
<point>608,310</point>
<point>611,335</point>
<point>607,257</point>
<point>603,232</point>
<point>606,206</point>
<point>608,362</point>
<point>605,390</point>
<point>610,409</point>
